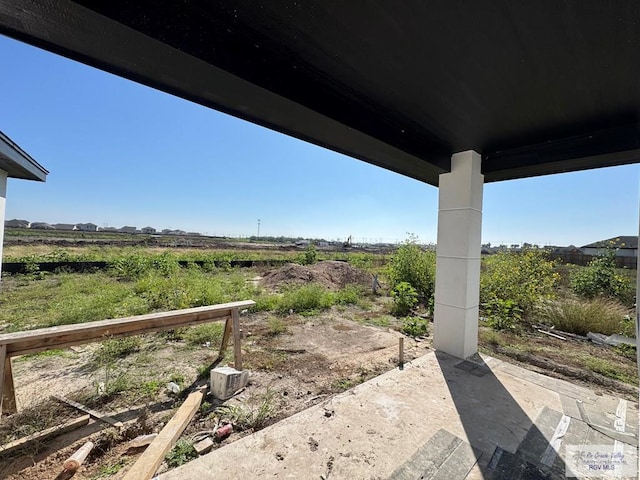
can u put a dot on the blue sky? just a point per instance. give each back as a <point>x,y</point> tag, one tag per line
<point>121,154</point>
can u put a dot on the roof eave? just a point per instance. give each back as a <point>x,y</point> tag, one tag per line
<point>18,163</point>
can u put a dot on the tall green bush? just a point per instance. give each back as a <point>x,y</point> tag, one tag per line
<point>404,299</point>
<point>600,278</point>
<point>414,265</point>
<point>512,283</point>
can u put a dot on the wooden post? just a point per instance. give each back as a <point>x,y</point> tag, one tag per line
<point>401,354</point>
<point>237,334</point>
<point>7,391</point>
<point>225,338</point>
<point>3,356</point>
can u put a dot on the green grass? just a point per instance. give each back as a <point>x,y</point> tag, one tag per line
<point>201,334</point>
<point>583,316</point>
<point>112,253</point>
<point>608,369</point>
<point>70,298</point>
<point>56,352</point>
<point>107,471</point>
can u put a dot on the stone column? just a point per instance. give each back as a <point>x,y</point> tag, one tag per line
<point>457,291</point>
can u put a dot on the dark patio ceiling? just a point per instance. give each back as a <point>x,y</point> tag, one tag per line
<point>537,87</point>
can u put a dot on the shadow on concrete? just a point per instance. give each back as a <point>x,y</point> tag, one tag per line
<point>513,446</point>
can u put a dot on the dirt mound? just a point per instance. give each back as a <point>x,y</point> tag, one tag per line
<point>332,274</point>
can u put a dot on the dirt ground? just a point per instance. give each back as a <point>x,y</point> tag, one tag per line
<point>315,358</point>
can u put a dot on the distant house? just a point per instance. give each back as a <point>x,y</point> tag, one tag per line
<point>87,227</point>
<point>107,229</point>
<point>194,234</point>
<point>15,223</point>
<point>41,226</point>
<point>625,245</point>
<point>127,229</point>
<point>148,230</point>
<point>64,226</point>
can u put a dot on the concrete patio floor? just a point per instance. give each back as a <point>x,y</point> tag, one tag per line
<point>439,418</point>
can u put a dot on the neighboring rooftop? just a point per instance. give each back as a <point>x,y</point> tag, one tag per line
<point>18,163</point>
<point>623,241</point>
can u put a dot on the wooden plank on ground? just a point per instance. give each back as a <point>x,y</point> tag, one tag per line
<point>146,466</point>
<point>45,434</point>
<point>93,413</point>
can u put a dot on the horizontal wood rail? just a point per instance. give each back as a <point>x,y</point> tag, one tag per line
<point>32,341</point>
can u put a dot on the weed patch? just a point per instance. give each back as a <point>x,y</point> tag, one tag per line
<point>252,416</point>
<point>415,327</point>
<point>276,326</point>
<point>181,453</point>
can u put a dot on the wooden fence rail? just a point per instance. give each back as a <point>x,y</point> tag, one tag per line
<point>32,341</point>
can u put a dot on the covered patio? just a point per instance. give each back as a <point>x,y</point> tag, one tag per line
<point>451,93</point>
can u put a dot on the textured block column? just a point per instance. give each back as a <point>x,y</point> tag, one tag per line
<point>3,201</point>
<point>458,256</point>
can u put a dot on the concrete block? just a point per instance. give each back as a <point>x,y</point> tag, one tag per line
<point>225,381</point>
<point>203,446</point>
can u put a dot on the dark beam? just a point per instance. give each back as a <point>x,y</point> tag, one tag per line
<point>613,146</point>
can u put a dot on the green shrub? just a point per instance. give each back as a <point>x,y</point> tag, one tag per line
<point>415,327</point>
<point>599,315</point>
<point>310,255</point>
<point>415,266</point>
<point>266,303</point>
<point>502,314</point>
<point>349,295</point>
<point>135,266</point>
<point>305,299</point>
<point>600,278</point>
<point>363,261</point>
<point>513,283</point>
<point>405,298</point>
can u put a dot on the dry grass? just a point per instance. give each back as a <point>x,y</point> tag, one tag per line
<point>583,316</point>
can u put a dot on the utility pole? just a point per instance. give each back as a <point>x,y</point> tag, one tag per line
<point>258,229</point>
